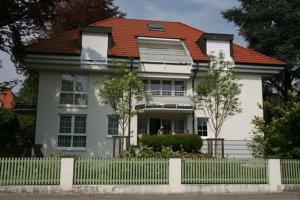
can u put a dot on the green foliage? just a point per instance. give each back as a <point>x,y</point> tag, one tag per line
<point>272,27</point>
<point>217,95</point>
<point>180,142</point>
<point>15,129</point>
<point>280,135</point>
<point>8,126</point>
<point>166,152</point>
<point>119,90</point>
<point>23,18</point>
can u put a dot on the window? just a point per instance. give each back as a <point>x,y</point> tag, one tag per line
<point>202,126</point>
<point>179,88</point>
<point>154,26</point>
<point>166,88</point>
<point>74,89</point>
<point>113,125</point>
<point>179,126</point>
<point>145,85</point>
<point>72,131</point>
<point>155,87</point>
<point>142,125</point>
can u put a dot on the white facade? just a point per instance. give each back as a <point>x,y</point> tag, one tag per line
<point>175,109</point>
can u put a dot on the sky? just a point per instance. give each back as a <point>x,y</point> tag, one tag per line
<point>202,14</point>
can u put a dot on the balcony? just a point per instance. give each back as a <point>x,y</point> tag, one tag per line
<point>166,100</point>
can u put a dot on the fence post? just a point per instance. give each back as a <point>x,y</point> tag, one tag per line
<point>175,174</point>
<point>274,174</point>
<point>66,173</point>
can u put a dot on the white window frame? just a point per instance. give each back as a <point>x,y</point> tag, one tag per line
<point>202,119</point>
<point>72,134</point>
<point>162,92</point>
<point>74,92</point>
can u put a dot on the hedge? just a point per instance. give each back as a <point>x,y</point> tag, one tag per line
<point>186,142</point>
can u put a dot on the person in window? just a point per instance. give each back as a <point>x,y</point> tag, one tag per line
<point>161,130</point>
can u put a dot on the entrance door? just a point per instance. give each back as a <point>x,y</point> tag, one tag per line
<point>154,126</point>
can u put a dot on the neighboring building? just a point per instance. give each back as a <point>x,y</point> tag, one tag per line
<point>7,98</point>
<point>166,55</point>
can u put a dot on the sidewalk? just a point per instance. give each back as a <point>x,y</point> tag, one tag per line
<point>195,196</point>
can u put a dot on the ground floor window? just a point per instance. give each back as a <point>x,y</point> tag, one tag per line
<point>113,125</point>
<point>72,131</point>
<point>202,126</point>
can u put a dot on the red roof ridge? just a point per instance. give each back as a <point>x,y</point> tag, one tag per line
<point>191,27</point>
<point>103,20</point>
<point>255,52</point>
<point>130,19</point>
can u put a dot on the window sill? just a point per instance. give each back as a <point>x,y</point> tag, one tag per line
<point>73,106</point>
<point>71,148</point>
<point>110,136</point>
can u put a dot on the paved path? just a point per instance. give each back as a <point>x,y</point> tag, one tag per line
<point>282,196</point>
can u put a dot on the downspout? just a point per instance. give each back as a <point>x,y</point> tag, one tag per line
<point>129,120</point>
<point>193,88</point>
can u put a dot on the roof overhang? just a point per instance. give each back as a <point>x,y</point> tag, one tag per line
<point>265,70</point>
<point>40,62</point>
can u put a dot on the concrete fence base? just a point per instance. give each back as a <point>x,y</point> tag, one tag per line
<point>175,186</point>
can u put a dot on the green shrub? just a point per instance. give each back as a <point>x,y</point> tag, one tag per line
<point>180,142</point>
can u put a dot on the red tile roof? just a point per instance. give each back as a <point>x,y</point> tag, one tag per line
<point>125,31</point>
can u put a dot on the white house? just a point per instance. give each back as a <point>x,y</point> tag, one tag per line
<point>170,58</point>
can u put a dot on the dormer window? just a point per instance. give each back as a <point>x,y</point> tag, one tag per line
<point>153,26</point>
<point>164,50</point>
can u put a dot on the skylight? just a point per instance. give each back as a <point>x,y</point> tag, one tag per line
<point>154,26</point>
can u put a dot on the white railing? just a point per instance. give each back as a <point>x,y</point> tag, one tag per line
<point>166,99</point>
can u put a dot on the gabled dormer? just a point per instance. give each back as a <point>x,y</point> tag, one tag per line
<point>95,42</point>
<point>214,43</point>
<point>163,50</point>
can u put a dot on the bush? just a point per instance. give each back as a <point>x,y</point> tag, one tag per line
<point>182,143</point>
<point>166,152</point>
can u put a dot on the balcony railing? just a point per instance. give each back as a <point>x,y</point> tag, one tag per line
<point>165,99</point>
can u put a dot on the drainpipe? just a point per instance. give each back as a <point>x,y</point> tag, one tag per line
<point>129,120</point>
<point>193,87</point>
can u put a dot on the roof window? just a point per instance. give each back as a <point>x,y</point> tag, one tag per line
<point>154,26</point>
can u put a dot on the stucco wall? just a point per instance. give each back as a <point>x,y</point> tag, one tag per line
<point>216,46</point>
<point>98,143</point>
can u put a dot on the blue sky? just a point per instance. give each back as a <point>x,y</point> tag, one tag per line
<point>203,14</point>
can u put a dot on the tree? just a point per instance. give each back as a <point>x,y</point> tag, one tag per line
<point>217,95</point>
<point>9,84</point>
<point>72,14</point>
<point>279,136</point>
<point>272,27</point>
<point>118,92</point>
<point>21,19</point>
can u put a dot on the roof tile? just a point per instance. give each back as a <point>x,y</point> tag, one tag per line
<point>124,33</point>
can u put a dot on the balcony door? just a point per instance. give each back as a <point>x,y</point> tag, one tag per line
<point>154,126</point>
